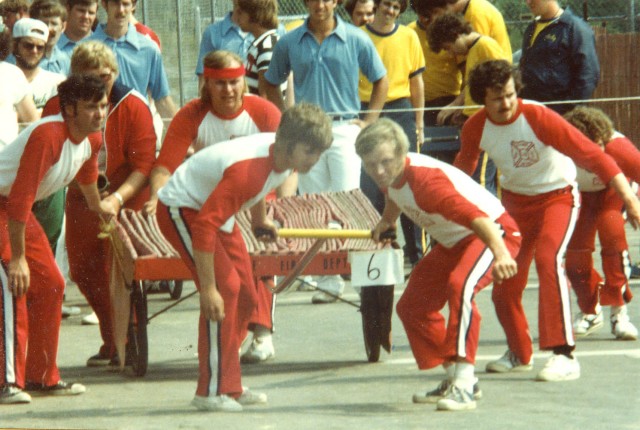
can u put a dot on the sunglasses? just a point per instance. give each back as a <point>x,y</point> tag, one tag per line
<point>31,46</point>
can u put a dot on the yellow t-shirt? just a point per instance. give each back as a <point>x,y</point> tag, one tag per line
<point>484,49</point>
<point>401,55</point>
<point>441,75</point>
<point>486,19</point>
<point>540,25</point>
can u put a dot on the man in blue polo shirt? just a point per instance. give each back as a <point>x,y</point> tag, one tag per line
<point>224,34</point>
<point>81,14</point>
<point>52,13</point>
<point>325,55</point>
<point>139,58</point>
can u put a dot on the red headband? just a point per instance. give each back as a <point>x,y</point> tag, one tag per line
<point>226,73</point>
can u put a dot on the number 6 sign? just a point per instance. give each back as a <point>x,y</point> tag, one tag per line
<point>381,267</point>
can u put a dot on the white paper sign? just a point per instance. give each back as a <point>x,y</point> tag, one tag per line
<point>382,267</point>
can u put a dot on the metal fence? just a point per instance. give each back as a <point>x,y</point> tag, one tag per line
<point>180,24</point>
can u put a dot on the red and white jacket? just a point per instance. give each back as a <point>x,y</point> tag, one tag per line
<point>533,151</point>
<point>624,153</point>
<point>42,160</point>
<point>196,124</point>
<point>442,199</point>
<point>221,180</point>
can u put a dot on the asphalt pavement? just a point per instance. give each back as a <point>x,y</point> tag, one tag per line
<point>320,377</point>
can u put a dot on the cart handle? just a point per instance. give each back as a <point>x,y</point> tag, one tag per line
<point>324,233</point>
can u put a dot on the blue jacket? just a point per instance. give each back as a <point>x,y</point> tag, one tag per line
<point>562,63</point>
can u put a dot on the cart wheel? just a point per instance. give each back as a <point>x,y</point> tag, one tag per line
<point>175,289</point>
<point>137,345</point>
<point>376,307</point>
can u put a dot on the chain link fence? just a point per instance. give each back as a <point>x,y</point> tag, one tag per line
<point>180,24</point>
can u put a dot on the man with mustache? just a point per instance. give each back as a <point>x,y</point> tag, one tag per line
<point>52,13</point>
<point>534,148</point>
<point>81,15</point>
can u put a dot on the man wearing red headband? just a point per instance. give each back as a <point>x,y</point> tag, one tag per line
<point>223,112</point>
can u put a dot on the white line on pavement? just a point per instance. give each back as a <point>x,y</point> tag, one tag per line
<point>633,353</point>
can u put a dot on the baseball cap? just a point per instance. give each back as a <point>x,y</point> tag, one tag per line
<point>29,27</point>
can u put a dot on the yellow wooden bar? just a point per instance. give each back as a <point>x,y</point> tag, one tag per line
<point>323,233</point>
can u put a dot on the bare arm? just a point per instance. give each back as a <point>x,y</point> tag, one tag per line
<point>620,184</point>
<point>103,207</point>
<point>450,110</point>
<point>504,266</point>
<point>159,177</point>
<point>376,103</point>
<point>211,302</point>
<point>289,186</point>
<point>129,188</point>
<point>274,95</point>
<point>388,221</point>
<point>416,86</point>
<point>27,111</point>
<point>19,275</point>
<point>166,107</point>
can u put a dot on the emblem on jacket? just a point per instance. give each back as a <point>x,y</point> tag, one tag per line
<point>524,153</point>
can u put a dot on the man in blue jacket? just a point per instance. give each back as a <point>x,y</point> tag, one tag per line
<point>559,59</point>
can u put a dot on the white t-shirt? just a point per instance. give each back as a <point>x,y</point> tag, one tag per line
<point>13,89</point>
<point>44,86</point>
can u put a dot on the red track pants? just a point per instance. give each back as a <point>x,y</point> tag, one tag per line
<point>218,342</point>
<point>450,276</point>
<point>546,222</point>
<point>600,212</point>
<point>30,325</point>
<point>90,262</point>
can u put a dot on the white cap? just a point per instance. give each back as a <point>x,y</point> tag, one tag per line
<point>29,27</point>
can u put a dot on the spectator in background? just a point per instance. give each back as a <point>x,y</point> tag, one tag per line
<point>52,13</point>
<point>13,10</point>
<point>30,37</point>
<point>360,11</point>
<point>81,16</point>
<point>139,59</point>
<point>559,59</point>
<point>325,55</point>
<point>260,18</point>
<point>143,29</point>
<point>440,77</point>
<point>16,101</point>
<point>224,34</point>
<point>400,52</point>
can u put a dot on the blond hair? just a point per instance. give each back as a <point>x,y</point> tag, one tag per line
<point>93,55</point>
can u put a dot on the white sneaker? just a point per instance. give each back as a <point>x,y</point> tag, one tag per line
<point>621,326</point>
<point>321,298</point>
<point>440,392</point>
<point>68,311</point>
<point>91,319</point>
<point>249,397</point>
<point>222,403</point>
<point>585,324</point>
<point>508,363</point>
<point>11,395</point>
<point>456,399</point>
<point>261,349</point>
<point>559,368</point>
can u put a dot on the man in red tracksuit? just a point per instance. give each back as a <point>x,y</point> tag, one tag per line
<point>196,211</point>
<point>125,159</point>
<point>477,242</point>
<point>602,211</point>
<point>42,160</point>
<point>533,147</point>
<point>222,112</point>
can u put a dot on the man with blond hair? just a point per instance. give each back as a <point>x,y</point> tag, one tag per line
<point>126,159</point>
